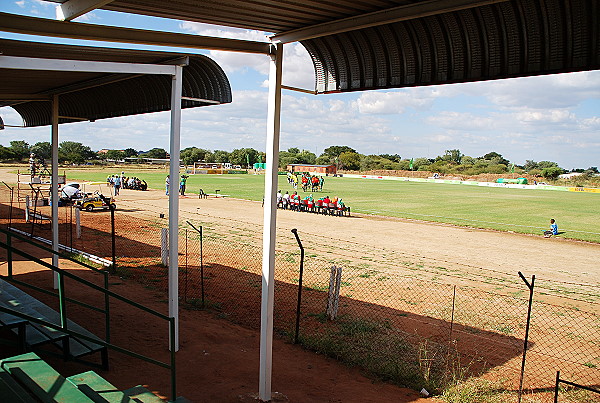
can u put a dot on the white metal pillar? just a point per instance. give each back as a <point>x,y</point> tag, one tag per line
<point>54,185</point>
<point>176,89</point>
<point>269,224</point>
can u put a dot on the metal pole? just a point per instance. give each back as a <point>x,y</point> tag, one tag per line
<point>269,223</point>
<point>556,386</point>
<point>173,348</point>
<point>185,292</point>
<point>113,237</point>
<point>201,268</point>
<point>176,89</point>
<point>530,286</point>
<point>9,260</point>
<point>452,319</point>
<point>295,232</point>
<point>54,187</point>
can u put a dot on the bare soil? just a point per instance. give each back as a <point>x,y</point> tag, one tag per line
<point>218,360</point>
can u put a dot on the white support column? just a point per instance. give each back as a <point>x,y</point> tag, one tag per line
<point>269,230</point>
<point>54,185</point>
<point>176,89</point>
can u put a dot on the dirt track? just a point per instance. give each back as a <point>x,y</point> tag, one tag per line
<point>471,254</point>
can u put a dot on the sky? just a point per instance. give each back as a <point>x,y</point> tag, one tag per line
<point>554,118</point>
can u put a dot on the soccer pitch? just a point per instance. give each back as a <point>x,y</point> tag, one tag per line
<point>517,210</point>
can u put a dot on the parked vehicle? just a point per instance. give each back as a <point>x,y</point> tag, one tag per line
<point>91,201</point>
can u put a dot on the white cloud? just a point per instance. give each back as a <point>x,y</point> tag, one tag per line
<point>552,91</point>
<point>461,121</point>
<point>394,102</point>
<point>298,69</point>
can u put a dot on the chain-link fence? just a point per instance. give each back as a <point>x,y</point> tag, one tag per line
<point>398,325</point>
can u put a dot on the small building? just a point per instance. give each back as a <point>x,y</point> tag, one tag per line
<point>319,169</point>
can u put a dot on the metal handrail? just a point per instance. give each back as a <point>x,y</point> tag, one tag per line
<point>47,249</point>
<point>11,249</point>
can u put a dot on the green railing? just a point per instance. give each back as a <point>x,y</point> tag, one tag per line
<point>63,298</point>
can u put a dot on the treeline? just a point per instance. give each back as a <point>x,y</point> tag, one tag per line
<point>344,157</point>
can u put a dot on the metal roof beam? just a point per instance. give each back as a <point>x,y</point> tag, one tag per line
<point>388,16</point>
<point>33,63</point>
<point>72,9</point>
<point>76,30</point>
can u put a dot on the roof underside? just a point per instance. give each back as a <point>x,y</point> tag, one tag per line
<point>511,39</point>
<point>391,44</point>
<point>92,96</point>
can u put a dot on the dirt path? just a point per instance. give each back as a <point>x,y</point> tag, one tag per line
<point>456,254</point>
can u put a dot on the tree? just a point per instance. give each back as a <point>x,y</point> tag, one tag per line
<point>220,156</point>
<point>6,153</point>
<point>331,153</point>
<point>306,157</point>
<point>42,149</point>
<point>293,150</point>
<point>421,164</point>
<point>156,153</point>
<point>116,155</point>
<point>551,172</point>
<point>496,158</point>
<point>349,160</point>
<point>391,157</point>
<point>243,156</point>
<point>529,165</point>
<point>74,152</point>
<point>130,152</point>
<point>193,154</point>
<point>453,156</point>
<point>547,164</point>
<point>20,149</point>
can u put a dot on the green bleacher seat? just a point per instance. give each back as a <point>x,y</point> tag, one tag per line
<point>142,395</point>
<point>98,389</point>
<point>35,335</point>
<point>11,391</point>
<point>42,380</point>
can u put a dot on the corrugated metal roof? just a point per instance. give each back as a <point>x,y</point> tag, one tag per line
<point>95,96</point>
<point>510,39</point>
<point>422,42</point>
<point>266,15</point>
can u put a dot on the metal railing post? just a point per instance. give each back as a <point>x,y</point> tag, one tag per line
<point>62,301</point>
<point>9,259</point>
<point>295,232</point>
<point>106,309</point>
<point>525,343</point>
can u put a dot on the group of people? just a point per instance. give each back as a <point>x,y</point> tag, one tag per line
<point>182,184</point>
<point>306,180</point>
<point>118,182</point>
<point>323,205</point>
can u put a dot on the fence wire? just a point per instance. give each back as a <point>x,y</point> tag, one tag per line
<point>393,323</point>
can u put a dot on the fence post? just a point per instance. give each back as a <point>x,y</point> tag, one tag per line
<point>556,386</point>
<point>78,223</point>
<point>201,263</point>
<point>26,208</point>
<point>113,237</point>
<point>453,307</point>
<point>201,269</point>
<point>333,295</point>
<point>338,283</point>
<point>185,287</point>
<point>164,246</point>
<point>295,232</point>
<point>530,286</point>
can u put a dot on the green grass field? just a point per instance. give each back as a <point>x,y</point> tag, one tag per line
<point>523,211</point>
